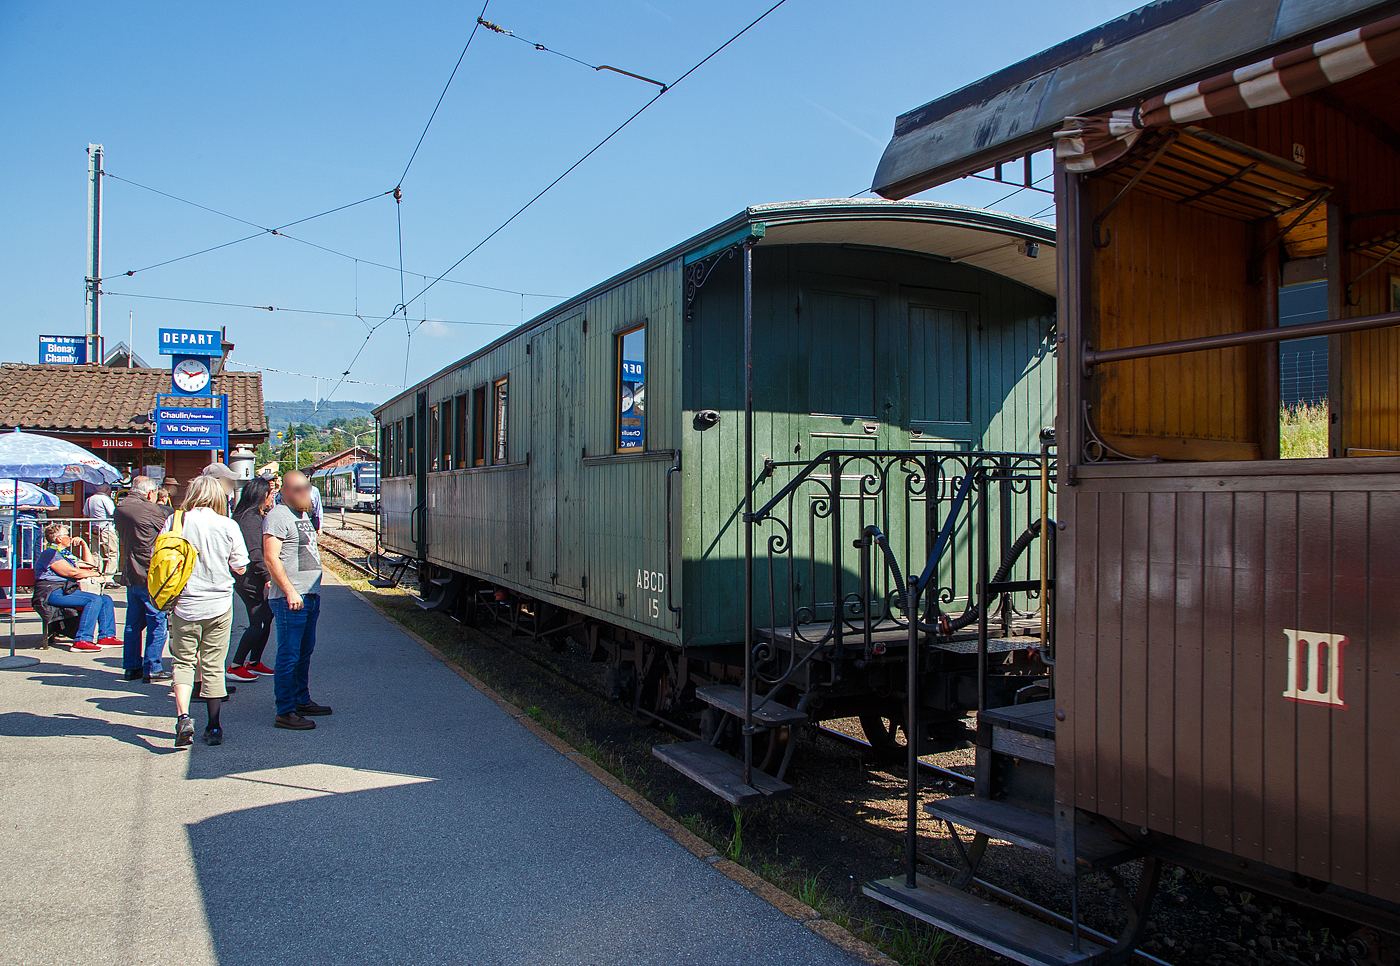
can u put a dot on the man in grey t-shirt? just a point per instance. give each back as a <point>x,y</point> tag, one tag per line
<point>294,568</point>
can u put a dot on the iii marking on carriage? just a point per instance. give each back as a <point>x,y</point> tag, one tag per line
<point>1306,684</point>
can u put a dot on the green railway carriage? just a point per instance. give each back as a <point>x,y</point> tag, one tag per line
<point>586,472</point>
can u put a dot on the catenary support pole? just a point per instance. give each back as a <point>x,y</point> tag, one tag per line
<point>94,276</point>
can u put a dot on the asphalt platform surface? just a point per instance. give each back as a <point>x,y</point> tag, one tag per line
<point>419,824</point>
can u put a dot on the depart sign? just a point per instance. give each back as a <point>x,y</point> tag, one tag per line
<point>191,342</point>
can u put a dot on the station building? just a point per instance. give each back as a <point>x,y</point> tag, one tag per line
<point>107,410</point>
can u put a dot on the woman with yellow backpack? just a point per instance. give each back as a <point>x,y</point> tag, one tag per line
<point>192,569</point>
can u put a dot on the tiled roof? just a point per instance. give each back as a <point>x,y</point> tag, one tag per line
<point>111,400</point>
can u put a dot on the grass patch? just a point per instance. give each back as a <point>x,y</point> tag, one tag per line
<point>1303,431</point>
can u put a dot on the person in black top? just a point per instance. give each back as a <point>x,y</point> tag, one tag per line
<point>251,586</point>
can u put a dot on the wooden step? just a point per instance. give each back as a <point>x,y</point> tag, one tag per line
<point>721,773</point>
<point>1031,830</point>
<point>382,582</point>
<point>982,922</point>
<point>731,699</point>
<point>1034,718</point>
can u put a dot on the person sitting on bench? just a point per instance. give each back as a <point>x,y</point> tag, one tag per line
<point>57,572</point>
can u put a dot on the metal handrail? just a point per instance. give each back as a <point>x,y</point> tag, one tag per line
<point>1093,357</point>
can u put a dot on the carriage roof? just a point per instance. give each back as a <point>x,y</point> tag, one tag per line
<point>985,239</point>
<point>1013,111</point>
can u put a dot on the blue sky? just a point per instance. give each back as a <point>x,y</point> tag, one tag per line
<point>275,111</point>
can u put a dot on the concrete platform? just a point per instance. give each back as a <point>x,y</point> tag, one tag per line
<point>420,824</point>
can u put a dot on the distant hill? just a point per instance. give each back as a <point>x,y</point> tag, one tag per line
<point>281,414</point>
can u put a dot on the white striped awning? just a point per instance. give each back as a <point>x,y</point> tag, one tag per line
<point>1089,143</point>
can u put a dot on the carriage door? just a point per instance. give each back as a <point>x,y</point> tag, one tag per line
<point>556,458</point>
<point>418,466</point>
<point>940,330</point>
<point>837,336</point>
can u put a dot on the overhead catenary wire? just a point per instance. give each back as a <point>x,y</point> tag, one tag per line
<point>559,53</point>
<point>588,154</point>
<point>1023,188</point>
<point>331,251</point>
<point>591,151</point>
<point>476,26</point>
<point>305,375</point>
<point>279,308</point>
<point>262,229</point>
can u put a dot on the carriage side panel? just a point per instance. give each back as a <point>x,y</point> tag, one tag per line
<point>1271,668</point>
<point>899,391</point>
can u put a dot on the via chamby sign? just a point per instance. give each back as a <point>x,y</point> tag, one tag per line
<point>183,423</point>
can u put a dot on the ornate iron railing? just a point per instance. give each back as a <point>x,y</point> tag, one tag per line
<point>919,510</point>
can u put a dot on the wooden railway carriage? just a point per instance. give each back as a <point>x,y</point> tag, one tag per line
<point>1227,687</point>
<point>586,474</point>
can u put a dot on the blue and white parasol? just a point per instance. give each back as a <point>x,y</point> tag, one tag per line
<point>29,456</point>
<point>28,495</point>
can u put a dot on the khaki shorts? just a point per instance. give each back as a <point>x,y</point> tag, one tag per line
<point>200,649</point>
<point>107,548</point>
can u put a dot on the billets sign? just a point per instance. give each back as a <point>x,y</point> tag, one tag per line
<point>186,423</point>
<point>191,342</point>
<point>68,350</point>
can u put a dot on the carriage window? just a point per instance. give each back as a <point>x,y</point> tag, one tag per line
<point>445,452</point>
<point>385,435</point>
<point>434,434</point>
<point>410,448</point>
<point>631,390</point>
<point>479,426</point>
<point>498,449</point>
<point>459,425</point>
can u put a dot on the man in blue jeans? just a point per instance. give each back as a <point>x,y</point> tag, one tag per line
<point>139,518</point>
<point>293,563</point>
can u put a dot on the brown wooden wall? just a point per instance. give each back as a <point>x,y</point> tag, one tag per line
<point>1172,272</point>
<point>1370,392</point>
<point>1176,593</point>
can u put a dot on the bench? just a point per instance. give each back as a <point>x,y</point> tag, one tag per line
<point>24,581</point>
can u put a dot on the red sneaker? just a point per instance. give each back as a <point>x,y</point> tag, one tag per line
<point>260,668</point>
<point>240,673</point>
<point>109,642</point>
<point>84,646</point>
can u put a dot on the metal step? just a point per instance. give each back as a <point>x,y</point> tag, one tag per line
<point>1095,848</point>
<point>444,592</point>
<point>730,699</point>
<point>722,774</point>
<point>982,922</point>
